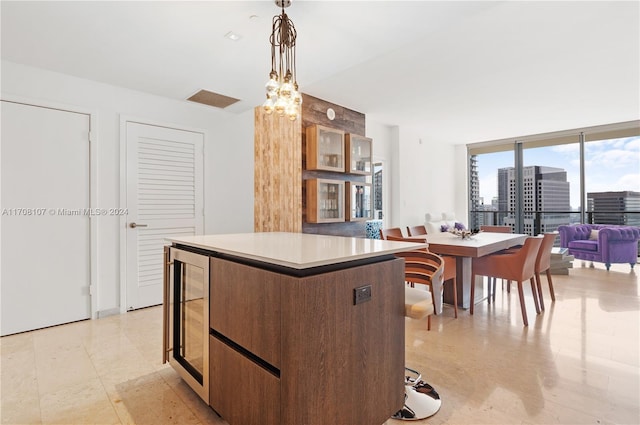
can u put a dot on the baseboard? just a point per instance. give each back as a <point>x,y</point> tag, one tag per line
<point>109,312</point>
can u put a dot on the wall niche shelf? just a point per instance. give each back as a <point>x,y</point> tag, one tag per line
<point>359,201</point>
<point>325,201</point>
<point>325,148</point>
<point>358,154</point>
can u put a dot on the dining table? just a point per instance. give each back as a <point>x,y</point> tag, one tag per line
<point>465,250</point>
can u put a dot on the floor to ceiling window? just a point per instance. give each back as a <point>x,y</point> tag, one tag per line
<point>537,183</point>
<point>490,203</point>
<point>551,181</point>
<point>612,181</point>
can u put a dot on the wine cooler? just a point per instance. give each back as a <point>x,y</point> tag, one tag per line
<point>186,317</point>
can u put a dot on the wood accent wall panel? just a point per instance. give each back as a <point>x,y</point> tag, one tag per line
<point>245,307</point>
<point>277,173</point>
<point>343,363</point>
<point>314,111</point>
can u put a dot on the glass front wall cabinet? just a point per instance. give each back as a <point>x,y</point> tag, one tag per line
<point>359,201</point>
<point>325,149</point>
<point>358,151</point>
<point>325,201</point>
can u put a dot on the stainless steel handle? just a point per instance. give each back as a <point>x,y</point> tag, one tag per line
<point>134,225</point>
<point>165,304</point>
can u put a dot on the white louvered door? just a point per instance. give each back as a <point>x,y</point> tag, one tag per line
<point>164,199</point>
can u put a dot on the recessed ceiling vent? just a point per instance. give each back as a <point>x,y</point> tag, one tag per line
<point>213,99</point>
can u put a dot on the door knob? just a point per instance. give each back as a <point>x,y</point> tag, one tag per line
<point>134,225</point>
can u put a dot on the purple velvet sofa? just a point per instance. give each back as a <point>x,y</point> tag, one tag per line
<point>603,243</point>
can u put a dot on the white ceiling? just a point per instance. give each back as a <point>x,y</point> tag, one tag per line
<point>457,71</point>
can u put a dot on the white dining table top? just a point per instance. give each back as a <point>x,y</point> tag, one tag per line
<point>478,245</point>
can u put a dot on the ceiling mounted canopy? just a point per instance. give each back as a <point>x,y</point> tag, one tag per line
<point>283,95</point>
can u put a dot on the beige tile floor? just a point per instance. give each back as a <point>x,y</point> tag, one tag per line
<point>577,363</point>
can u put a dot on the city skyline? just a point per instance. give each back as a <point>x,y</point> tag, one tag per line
<point>610,165</point>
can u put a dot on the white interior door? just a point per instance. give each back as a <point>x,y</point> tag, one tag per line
<point>164,199</point>
<point>46,262</point>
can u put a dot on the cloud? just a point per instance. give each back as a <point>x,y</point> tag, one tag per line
<point>633,144</point>
<point>629,182</point>
<point>571,148</point>
<point>615,158</point>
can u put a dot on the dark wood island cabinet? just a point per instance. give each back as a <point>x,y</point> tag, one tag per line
<point>301,329</point>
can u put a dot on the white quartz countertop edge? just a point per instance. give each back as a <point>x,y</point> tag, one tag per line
<point>295,250</point>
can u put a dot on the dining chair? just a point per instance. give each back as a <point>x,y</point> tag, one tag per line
<point>421,400</point>
<point>391,231</point>
<point>425,268</point>
<point>449,265</point>
<point>518,265</point>
<point>491,283</point>
<point>543,264</point>
<point>443,271</point>
<point>496,229</point>
<point>417,230</point>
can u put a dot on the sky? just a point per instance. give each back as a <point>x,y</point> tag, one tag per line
<point>610,165</point>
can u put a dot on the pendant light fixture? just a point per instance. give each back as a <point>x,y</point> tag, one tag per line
<point>283,95</point>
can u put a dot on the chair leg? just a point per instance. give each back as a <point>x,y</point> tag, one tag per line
<point>473,293</point>
<point>429,322</point>
<point>455,298</point>
<point>522,306</point>
<point>534,291</point>
<point>433,298</point>
<point>540,297</point>
<point>553,293</point>
<point>493,290</point>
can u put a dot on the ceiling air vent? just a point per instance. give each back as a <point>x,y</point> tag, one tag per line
<point>213,99</point>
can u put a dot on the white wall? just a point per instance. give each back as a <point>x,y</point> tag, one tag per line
<point>228,154</point>
<point>423,174</point>
<point>428,177</point>
<point>383,151</point>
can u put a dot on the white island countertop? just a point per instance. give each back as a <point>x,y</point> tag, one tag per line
<point>296,250</point>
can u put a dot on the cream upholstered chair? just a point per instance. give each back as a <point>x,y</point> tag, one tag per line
<point>436,223</point>
<point>418,304</point>
<point>421,400</point>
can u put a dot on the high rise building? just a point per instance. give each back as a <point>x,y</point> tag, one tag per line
<point>503,195</point>
<point>613,207</point>
<point>377,194</point>
<point>546,200</point>
<point>475,220</point>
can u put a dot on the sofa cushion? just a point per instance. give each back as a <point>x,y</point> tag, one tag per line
<point>593,236</point>
<point>587,245</point>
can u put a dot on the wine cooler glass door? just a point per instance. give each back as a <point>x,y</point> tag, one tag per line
<point>189,319</point>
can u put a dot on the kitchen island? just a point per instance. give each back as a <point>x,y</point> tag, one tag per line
<point>288,328</point>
